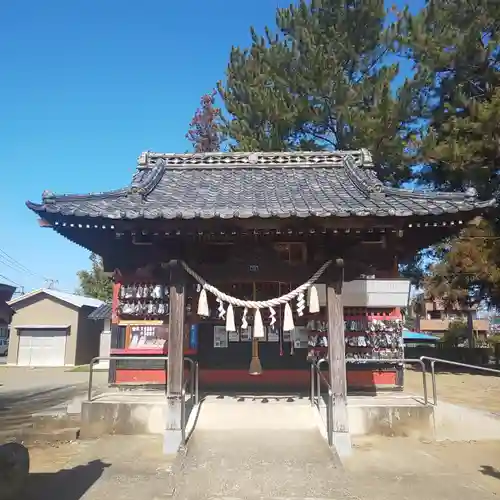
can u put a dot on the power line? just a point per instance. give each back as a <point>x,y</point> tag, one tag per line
<point>11,281</point>
<point>18,285</point>
<point>9,261</point>
<point>13,263</point>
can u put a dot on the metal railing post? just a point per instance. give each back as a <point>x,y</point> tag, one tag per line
<point>192,382</point>
<point>312,384</point>
<point>433,362</point>
<point>329,418</point>
<point>91,376</point>
<point>183,416</point>
<point>434,385</point>
<point>197,383</point>
<point>424,382</point>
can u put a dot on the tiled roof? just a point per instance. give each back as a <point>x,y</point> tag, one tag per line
<point>69,298</point>
<point>243,185</point>
<point>102,312</point>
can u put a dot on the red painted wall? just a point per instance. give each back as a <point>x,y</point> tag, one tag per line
<point>225,378</point>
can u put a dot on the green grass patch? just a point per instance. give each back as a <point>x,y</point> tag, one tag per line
<point>81,368</point>
<point>86,369</point>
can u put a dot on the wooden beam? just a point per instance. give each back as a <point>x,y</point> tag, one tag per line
<point>337,372</point>
<point>44,223</point>
<point>175,363</point>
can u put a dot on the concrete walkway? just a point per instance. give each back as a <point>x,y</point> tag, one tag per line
<point>258,447</point>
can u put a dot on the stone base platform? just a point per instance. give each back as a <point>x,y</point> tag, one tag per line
<point>133,413</point>
<point>143,412</point>
<point>391,414</point>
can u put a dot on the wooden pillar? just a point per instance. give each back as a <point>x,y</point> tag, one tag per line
<point>338,372</point>
<point>175,363</point>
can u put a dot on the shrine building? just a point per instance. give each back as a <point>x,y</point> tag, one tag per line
<point>256,264</point>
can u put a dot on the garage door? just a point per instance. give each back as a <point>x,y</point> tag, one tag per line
<point>42,347</point>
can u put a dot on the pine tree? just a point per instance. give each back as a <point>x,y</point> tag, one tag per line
<point>94,283</point>
<point>455,45</point>
<point>323,82</point>
<point>205,127</point>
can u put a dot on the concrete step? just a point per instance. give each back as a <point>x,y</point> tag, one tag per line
<point>140,412</point>
<point>45,422</point>
<point>255,412</point>
<point>387,415</point>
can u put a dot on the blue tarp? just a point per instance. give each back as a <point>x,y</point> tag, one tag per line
<point>407,335</point>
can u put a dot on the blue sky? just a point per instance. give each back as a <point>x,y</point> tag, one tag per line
<point>85,87</point>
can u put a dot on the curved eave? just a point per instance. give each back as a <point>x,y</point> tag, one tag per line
<point>460,206</point>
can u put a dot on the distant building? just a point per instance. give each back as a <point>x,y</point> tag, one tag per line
<point>432,316</point>
<point>6,312</point>
<point>52,328</point>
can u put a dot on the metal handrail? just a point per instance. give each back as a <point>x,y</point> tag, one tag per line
<point>329,405</point>
<point>381,361</point>
<point>193,381</point>
<point>403,361</point>
<point>453,363</point>
<point>193,369</point>
<point>194,385</point>
<point>315,399</point>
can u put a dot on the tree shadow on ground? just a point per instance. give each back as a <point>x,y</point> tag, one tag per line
<point>16,408</point>
<point>488,470</point>
<point>66,484</point>
<point>16,482</point>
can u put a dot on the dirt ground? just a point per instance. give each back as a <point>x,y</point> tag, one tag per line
<point>110,468</point>
<point>479,391</point>
<point>406,468</point>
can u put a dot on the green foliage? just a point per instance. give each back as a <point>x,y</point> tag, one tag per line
<point>494,339</point>
<point>467,270</point>
<point>457,330</point>
<point>94,283</point>
<point>322,82</point>
<point>455,46</point>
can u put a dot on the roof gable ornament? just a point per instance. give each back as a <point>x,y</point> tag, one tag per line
<point>148,160</point>
<point>471,192</point>
<point>365,180</point>
<point>366,159</point>
<point>48,197</point>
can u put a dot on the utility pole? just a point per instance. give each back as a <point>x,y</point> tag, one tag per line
<point>50,283</point>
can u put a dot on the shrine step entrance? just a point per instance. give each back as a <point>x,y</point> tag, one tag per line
<point>248,446</point>
<point>250,411</point>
